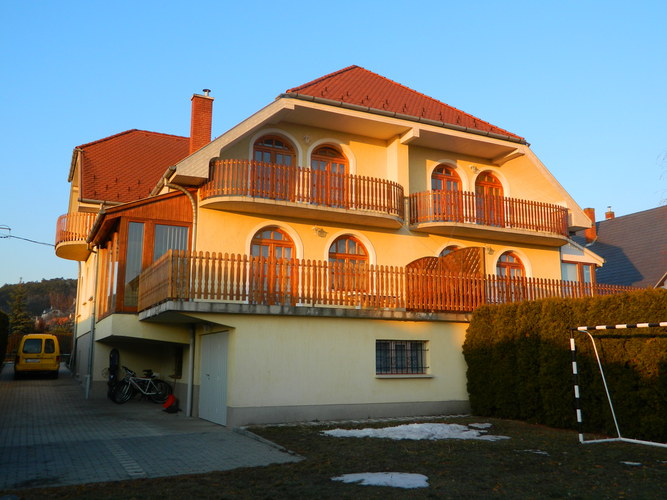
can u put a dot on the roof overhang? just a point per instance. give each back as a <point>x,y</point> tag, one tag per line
<point>354,120</point>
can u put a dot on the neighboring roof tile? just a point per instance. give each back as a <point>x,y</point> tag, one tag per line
<point>127,166</point>
<point>356,85</point>
<point>634,247</point>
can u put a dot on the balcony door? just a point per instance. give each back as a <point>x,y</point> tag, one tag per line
<point>348,259</point>
<point>447,204</point>
<point>274,175</point>
<point>489,200</point>
<point>271,270</point>
<point>329,169</point>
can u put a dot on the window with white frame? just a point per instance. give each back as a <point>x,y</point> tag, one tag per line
<point>401,357</point>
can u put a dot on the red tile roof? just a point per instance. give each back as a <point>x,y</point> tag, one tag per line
<point>127,166</point>
<point>356,85</point>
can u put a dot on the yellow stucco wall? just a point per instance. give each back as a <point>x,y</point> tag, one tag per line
<point>282,361</point>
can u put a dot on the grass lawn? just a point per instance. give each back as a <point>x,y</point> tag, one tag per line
<point>536,462</point>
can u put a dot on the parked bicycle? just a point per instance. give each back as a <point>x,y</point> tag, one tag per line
<point>153,388</point>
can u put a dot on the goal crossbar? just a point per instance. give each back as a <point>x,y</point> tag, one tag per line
<point>575,374</point>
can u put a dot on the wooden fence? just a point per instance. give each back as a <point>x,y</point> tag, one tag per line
<point>499,211</point>
<point>258,280</point>
<point>303,185</point>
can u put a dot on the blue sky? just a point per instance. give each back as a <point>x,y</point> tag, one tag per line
<point>582,81</point>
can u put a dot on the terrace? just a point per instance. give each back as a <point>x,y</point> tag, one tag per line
<point>208,278</point>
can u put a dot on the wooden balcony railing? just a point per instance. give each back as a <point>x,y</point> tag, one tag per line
<point>499,211</point>
<point>258,280</point>
<point>74,227</point>
<point>303,185</point>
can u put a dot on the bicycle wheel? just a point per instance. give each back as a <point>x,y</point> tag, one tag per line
<point>122,392</point>
<point>162,391</point>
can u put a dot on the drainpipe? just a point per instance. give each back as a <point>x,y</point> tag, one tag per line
<point>193,239</point>
<point>93,313</point>
<point>191,369</point>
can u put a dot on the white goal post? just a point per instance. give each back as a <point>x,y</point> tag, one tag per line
<point>575,373</point>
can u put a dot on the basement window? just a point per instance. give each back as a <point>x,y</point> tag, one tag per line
<point>401,357</point>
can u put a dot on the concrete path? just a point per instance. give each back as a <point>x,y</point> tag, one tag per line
<point>51,436</point>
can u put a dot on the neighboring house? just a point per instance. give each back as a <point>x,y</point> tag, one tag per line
<point>634,247</point>
<point>320,259</point>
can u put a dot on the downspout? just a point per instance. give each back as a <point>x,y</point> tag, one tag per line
<point>93,313</point>
<point>191,369</point>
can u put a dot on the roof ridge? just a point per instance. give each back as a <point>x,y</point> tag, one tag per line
<point>317,80</point>
<point>119,134</point>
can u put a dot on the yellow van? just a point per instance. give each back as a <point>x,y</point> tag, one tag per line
<point>38,352</point>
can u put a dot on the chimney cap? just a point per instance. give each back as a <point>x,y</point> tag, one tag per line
<point>206,92</point>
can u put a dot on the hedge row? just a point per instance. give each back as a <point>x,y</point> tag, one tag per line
<point>519,363</point>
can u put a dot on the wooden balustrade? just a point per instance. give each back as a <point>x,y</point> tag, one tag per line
<point>499,211</point>
<point>73,227</point>
<point>259,280</point>
<point>303,185</point>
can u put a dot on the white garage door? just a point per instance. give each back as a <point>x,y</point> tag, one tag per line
<point>213,378</point>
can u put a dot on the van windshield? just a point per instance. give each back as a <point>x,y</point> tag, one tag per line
<point>32,346</point>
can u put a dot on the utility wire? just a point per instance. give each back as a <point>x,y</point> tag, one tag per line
<point>6,228</point>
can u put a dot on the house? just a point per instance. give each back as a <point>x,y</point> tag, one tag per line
<point>634,247</point>
<point>320,259</point>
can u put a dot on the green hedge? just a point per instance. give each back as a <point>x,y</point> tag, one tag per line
<point>520,365</point>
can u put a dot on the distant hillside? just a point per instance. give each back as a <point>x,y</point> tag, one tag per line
<point>57,293</point>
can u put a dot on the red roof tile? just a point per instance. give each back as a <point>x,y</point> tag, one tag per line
<point>127,166</point>
<point>356,85</point>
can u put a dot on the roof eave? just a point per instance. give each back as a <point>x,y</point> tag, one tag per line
<point>393,114</point>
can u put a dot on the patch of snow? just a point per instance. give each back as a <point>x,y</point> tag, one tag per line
<point>417,432</point>
<point>479,426</point>
<point>634,464</point>
<point>536,452</point>
<point>394,479</point>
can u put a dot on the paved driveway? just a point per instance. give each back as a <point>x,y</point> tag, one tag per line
<point>51,436</point>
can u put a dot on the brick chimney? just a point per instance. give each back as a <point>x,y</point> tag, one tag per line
<point>591,233</point>
<point>609,214</point>
<point>200,120</point>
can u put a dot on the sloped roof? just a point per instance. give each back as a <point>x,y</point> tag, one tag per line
<point>126,166</point>
<point>634,247</point>
<point>358,86</point>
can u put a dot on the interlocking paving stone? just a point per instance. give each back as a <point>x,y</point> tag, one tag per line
<point>51,436</point>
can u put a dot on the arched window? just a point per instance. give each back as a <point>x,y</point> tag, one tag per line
<point>272,242</point>
<point>510,266</point>
<point>446,194</point>
<point>489,196</point>
<point>445,178</point>
<point>274,178</point>
<point>348,249</point>
<point>348,257</point>
<point>329,176</point>
<point>274,149</point>
<point>448,249</point>
<point>270,280</point>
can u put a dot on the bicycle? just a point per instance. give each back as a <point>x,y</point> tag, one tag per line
<point>155,389</point>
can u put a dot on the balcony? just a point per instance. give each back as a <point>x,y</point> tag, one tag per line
<point>205,279</point>
<point>466,214</point>
<point>71,232</point>
<point>255,187</point>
